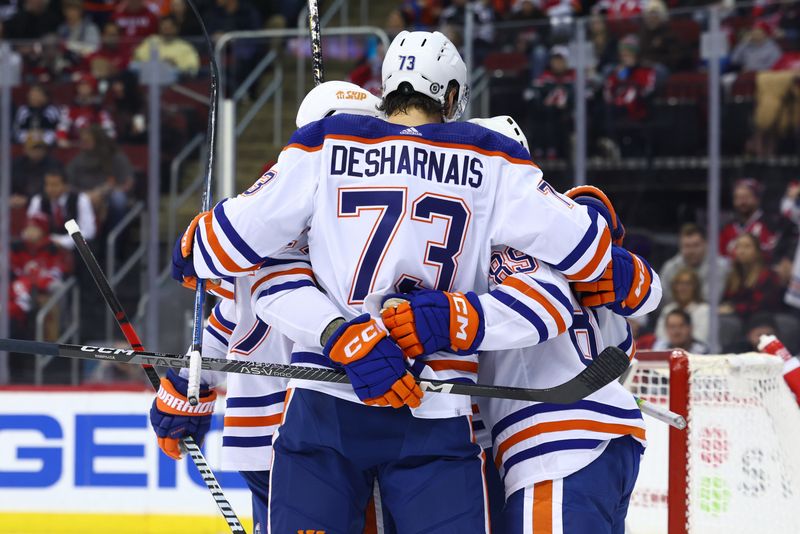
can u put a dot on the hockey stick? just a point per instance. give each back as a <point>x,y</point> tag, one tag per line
<point>603,370</point>
<point>317,69</point>
<point>133,339</point>
<point>193,390</point>
<point>661,414</point>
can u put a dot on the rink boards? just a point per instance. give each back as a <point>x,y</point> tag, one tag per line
<point>78,460</point>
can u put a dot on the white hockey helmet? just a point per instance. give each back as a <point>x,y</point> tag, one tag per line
<point>504,125</point>
<point>330,98</point>
<point>428,61</point>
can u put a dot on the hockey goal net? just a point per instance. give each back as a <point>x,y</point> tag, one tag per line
<point>736,468</point>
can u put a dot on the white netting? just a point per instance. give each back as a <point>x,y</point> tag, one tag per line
<point>743,468</point>
<point>744,447</point>
<point>647,513</point>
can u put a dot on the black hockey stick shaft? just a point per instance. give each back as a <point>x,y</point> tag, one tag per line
<point>193,389</point>
<point>130,334</point>
<point>604,369</point>
<point>317,68</point>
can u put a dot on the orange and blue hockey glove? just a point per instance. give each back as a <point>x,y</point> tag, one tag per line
<point>624,286</point>
<point>173,418</point>
<point>182,266</point>
<point>430,321</point>
<point>375,365</point>
<point>594,199</point>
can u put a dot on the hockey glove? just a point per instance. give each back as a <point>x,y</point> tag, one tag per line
<point>182,266</point>
<point>430,321</point>
<point>623,287</point>
<point>593,198</point>
<point>375,365</point>
<point>174,418</point>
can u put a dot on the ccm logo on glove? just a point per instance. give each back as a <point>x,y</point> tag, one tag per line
<point>461,314</point>
<point>369,335</point>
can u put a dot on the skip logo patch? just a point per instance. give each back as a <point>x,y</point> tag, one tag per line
<point>351,95</point>
<point>266,178</point>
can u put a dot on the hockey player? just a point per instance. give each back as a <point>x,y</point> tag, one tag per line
<point>373,193</point>
<point>567,469</point>
<point>253,404</point>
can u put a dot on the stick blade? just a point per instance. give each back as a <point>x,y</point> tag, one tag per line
<point>607,367</point>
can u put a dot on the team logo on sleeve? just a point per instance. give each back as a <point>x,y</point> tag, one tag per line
<point>266,178</point>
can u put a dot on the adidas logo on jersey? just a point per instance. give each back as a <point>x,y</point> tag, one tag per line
<point>411,131</point>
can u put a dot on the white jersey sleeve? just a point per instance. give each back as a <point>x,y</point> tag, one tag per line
<point>240,233</point>
<point>536,219</point>
<point>528,302</point>
<point>285,296</point>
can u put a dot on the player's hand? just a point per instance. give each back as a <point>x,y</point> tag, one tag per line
<point>593,198</point>
<point>430,321</point>
<point>623,286</point>
<point>213,287</point>
<point>375,365</point>
<point>182,266</point>
<point>174,418</point>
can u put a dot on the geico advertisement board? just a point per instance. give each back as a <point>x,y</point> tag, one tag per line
<point>94,452</point>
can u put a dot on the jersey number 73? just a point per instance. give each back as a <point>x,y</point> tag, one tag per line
<point>390,203</point>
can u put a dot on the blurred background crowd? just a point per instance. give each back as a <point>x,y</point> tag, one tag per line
<point>80,131</point>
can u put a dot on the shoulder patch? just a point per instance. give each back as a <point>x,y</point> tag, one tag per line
<point>266,178</point>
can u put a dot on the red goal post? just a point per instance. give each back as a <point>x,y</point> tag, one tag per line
<point>736,467</point>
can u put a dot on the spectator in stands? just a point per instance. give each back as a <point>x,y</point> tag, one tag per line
<point>34,20</point>
<point>757,50</point>
<point>776,116</point>
<point>628,93</point>
<point>104,173</point>
<point>59,204</point>
<point>28,170</point>
<point>124,102</point>
<point>760,324</point>
<point>685,286</point>
<point>136,20</point>
<point>604,47</point>
<point>79,34</point>
<point>86,110</point>
<point>660,47</point>
<point>749,218</point>
<point>171,49</point>
<point>46,62</point>
<point>35,259</point>
<point>551,96</point>
<point>678,327</point>
<point>692,254</point>
<point>790,208</point>
<point>751,286</point>
<point>112,57</point>
<point>37,115</point>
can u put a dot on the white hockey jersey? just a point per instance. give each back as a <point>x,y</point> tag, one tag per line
<point>254,404</point>
<point>392,207</point>
<point>533,442</point>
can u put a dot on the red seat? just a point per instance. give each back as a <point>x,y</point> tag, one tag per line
<point>686,87</point>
